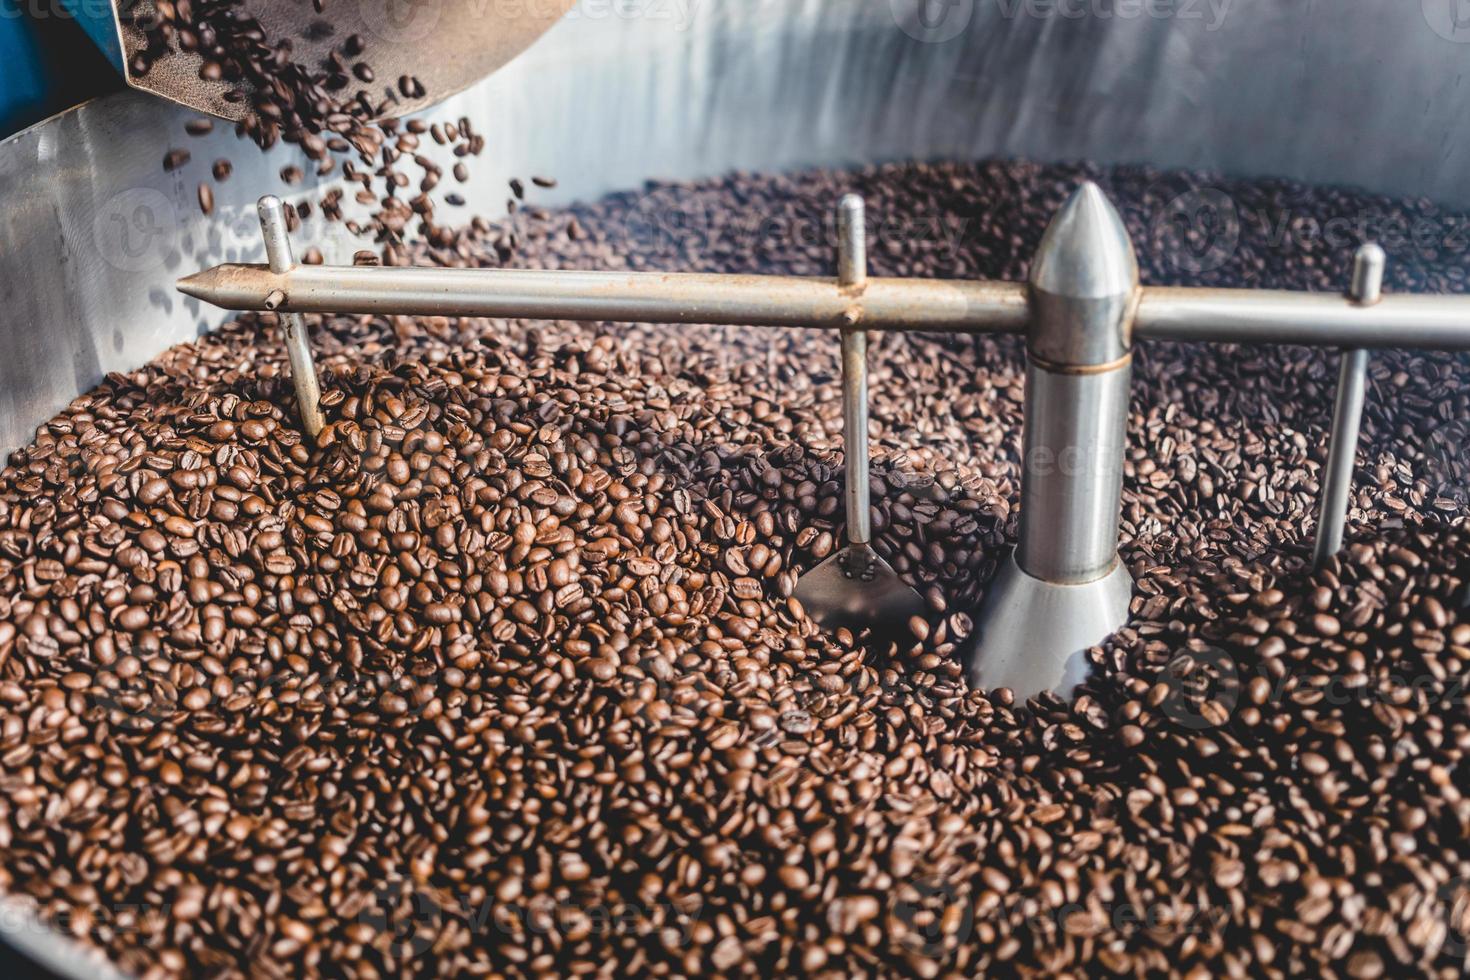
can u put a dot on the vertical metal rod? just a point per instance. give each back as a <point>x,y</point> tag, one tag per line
<point>852,275</point>
<point>298,345</point>
<point>855,587</point>
<point>1347,412</point>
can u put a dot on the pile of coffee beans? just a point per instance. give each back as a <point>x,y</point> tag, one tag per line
<point>503,674</point>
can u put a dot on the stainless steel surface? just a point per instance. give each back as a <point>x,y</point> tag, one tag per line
<point>932,305</point>
<point>1076,408</point>
<point>293,325</point>
<point>1083,282</point>
<point>447,44</point>
<point>1241,316</point>
<point>1368,265</point>
<point>28,928</point>
<point>1072,472</point>
<point>852,275</point>
<point>1360,92</point>
<point>881,602</point>
<point>1032,636</point>
<point>1064,589</point>
<point>92,235</point>
<point>771,301</point>
<point>855,434</point>
<point>1337,484</point>
<point>855,587</point>
<point>852,244</point>
<point>1347,412</point>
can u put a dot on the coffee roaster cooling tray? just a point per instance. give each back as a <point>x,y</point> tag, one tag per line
<point>1064,589</point>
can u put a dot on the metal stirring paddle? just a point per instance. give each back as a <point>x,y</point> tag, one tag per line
<point>855,587</point>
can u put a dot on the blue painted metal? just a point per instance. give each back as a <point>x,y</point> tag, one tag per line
<point>48,63</point>
<point>96,19</point>
<point>23,73</point>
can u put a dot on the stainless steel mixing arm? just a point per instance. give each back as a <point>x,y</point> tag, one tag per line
<point>1240,316</point>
